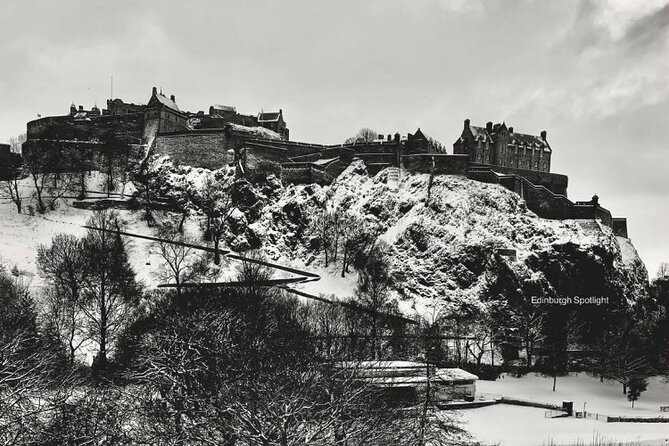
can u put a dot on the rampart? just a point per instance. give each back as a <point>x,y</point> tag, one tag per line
<point>547,204</point>
<point>208,149</point>
<point>553,181</point>
<point>436,163</point>
<point>65,128</point>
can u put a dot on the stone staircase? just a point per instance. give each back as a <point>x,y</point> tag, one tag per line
<point>394,177</point>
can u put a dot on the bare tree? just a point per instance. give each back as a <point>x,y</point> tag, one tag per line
<point>529,321</point>
<point>254,274</point>
<point>10,174</point>
<point>481,338</point>
<point>326,227</point>
<point>16,142</point>
<point>663,270</point>
<point>182,263</point>
<point>365,134</point>
<point>356,237</point>
<point>64,264</point>
<point>373,290</point>
<point>59,189</point>
<point>36,163</point>
<point>30,391</point>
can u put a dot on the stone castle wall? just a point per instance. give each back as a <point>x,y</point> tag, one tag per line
<point>547,204</point>
<point>202,149</point>
<point>553,181</point>
<point>437,163</point>
<point>63,127</point>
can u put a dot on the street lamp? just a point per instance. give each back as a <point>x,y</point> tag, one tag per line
<point>584,403</point>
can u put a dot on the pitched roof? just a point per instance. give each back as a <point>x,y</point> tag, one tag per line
<point>268,116</point>
<point>480,133</point>
<point>528,140</point>
<point>167,102</point>
<point>455,374</point>
<point>226,108</point>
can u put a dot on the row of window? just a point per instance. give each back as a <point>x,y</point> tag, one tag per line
<point>511,159</point>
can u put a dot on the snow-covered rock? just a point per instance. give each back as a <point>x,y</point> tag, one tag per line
<point>464,245</point>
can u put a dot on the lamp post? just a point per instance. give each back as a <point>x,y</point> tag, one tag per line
<point>584,403</point>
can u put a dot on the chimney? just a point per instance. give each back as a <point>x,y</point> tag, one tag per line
<point>488,127</point>
<point>73,108</point>
<point>510,129</point>
<point>466,123</point>
<point>172,98</point>
<point>390,137</point>
<point>154,91</point>
<point>81,108</point>
<point>397,137</point>
<point>380,137</point>
<point>543,135</point>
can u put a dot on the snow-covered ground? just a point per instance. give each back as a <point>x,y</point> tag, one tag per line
<point>21,234</point>
<point>506,425</point>
<point>513,425</point>
<point>603,397</point>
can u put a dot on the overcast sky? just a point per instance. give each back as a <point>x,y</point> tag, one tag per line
<point>594,74</point>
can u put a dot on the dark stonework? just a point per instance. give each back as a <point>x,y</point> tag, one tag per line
<point>498,145</point>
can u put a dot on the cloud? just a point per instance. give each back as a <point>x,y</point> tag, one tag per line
<point>649,29</point>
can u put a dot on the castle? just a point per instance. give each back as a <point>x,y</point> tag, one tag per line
<point>259,145</point>
<point>498,145</point>
<point>139,123</point>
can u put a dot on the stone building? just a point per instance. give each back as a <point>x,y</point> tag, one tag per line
<point>274,122</point>
<point>220,115</point>
<point>499,145</point>
<point>406,381</point>
<point>165,112</point>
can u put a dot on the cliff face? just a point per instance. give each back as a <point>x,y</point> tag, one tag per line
<point>453,242</point>
<point>460,242</point>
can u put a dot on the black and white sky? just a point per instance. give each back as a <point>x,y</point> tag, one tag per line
<point>593,73</point>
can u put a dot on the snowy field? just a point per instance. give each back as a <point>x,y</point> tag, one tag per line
<point>514,425</point>
<point>20,235</point>
<point>527,426</point>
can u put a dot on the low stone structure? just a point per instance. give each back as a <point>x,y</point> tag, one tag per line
<point>406,381</point>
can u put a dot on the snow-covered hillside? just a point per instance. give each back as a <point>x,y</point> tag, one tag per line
<point>451,249</point>
<point>469,241</point>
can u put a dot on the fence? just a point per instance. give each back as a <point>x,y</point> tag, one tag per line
<point>593,416</point>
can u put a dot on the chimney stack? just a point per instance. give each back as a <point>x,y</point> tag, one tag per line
<point>81,108</point>
<point>510,129</point>
<point>154,91</point>
<point>172,98</point>
<point>467,123</point>
<point>488,126</point>
<point>543,135</point>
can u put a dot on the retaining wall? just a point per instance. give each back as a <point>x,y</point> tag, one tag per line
<point>202,149</point>
<point>555,182</point>
<point>437,163</point>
